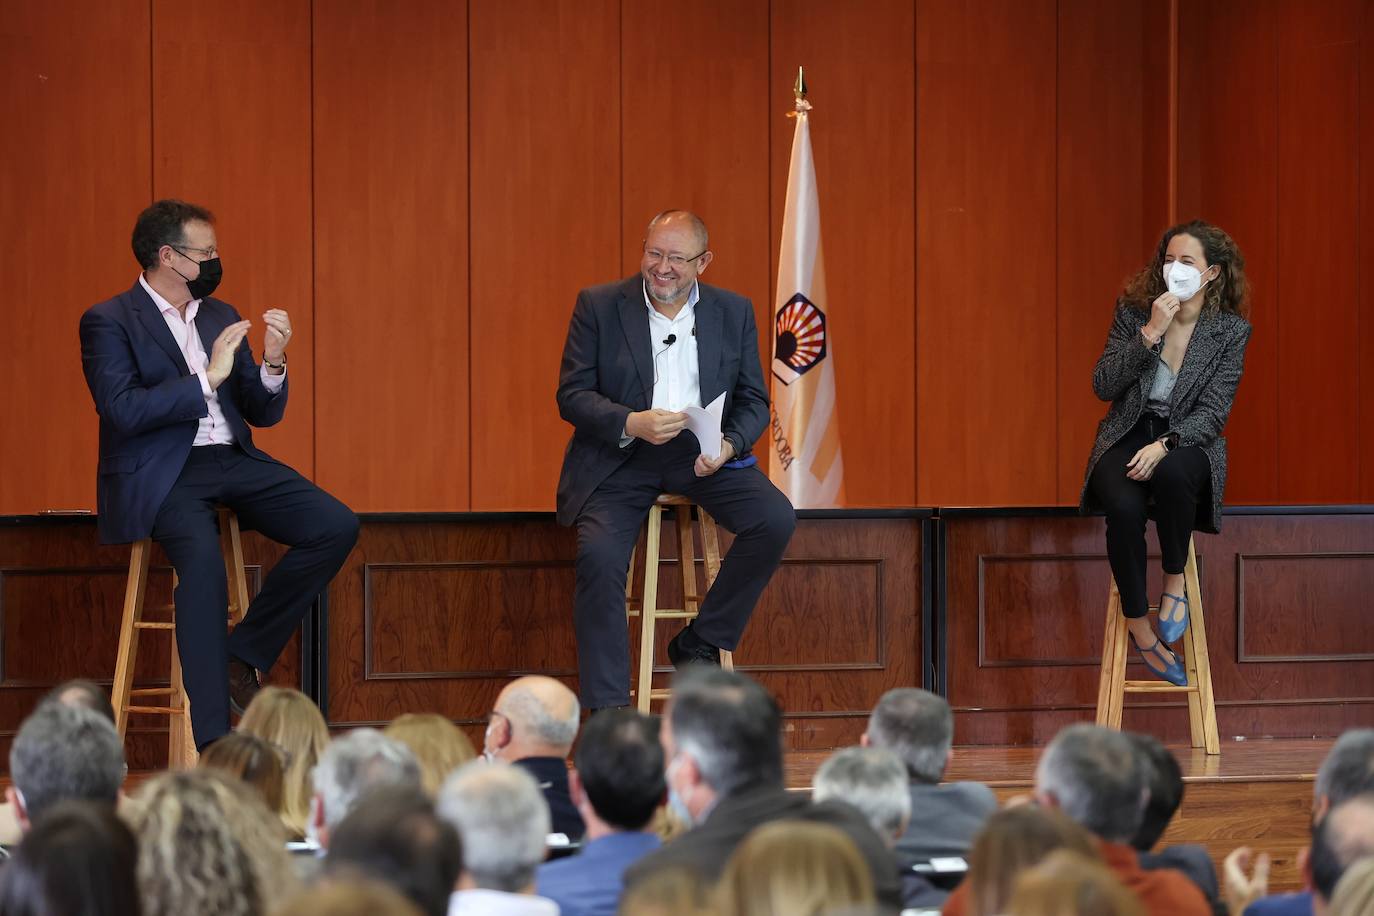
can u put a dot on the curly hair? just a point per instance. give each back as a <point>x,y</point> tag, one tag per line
<point>1229,292</point>
<point>209,846</point>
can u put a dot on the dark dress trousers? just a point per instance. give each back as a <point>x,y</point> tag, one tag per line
<point>608,372</point>
<point>152,481</point>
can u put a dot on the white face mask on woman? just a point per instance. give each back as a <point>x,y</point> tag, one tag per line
<point>1183,280</point>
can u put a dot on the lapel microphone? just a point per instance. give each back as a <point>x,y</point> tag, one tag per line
<point>670,340</point>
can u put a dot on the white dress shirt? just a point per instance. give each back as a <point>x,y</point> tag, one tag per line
<point>677,373</point>
<point>499,903</point>
<point>213,428</point>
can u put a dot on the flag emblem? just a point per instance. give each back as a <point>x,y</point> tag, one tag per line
<point>799,344</point>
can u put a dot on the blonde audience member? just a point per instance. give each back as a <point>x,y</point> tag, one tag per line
<point>673,891</point>
<point>291,721</point>
<point>208,846</point>
<point>348,897</point>
<point>438,744</point>
<point>252,760</point>
<point>795,868</point>
<point>1355,891</point>
<point>1010,842</point>
<point>1070,884</point>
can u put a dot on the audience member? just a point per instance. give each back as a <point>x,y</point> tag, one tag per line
<point>1010,842</point>
<point>349,897</point>
<point>289,720</point>
<point>438,745</point>
<point>918,727</point>
<point>1354,894</point>
<point>503,821</point>
<point>617,787</point>
<point>394,835</point>
<point>79,859</point>
<point>64,752</point>
<point>252,760</point>
<point>1341,838</point>
<point>796,868</point>
<point>208,846</point>
<point>81,692</point>
<point>1069,884</point>
<point>668,892</point>
<point>351,766</point>
<point>872,780</point>
<point>722,743</point>
<point>1164,780</point>
<point>533,725</point>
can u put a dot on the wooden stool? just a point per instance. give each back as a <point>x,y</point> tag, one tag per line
<point>181,745</point>
<point>1113,686</point>
<point>647,608</point>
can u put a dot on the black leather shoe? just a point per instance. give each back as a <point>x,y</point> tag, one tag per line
<point>243,685</point>
<point>687,648</point>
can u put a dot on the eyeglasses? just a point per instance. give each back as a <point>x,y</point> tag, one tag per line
<point>182,249</point>
<point>674,260</point>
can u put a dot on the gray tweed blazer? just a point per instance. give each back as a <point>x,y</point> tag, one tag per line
<point>1201,401</point>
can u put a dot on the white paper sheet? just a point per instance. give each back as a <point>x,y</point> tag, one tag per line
<point>704,422</point>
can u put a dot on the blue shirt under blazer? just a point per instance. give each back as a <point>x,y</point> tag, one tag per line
<point>150,404</point>
<point>591,882</point>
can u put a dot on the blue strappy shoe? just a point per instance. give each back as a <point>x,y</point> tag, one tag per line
<point>1173,672</point>
<point>1171,630</point>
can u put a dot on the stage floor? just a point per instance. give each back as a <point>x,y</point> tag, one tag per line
<point>1256,793</point>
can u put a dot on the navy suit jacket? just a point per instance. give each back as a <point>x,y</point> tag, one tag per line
<point>608,372</point>
<point>150,404</point>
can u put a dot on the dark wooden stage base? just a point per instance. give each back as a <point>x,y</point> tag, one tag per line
<point>1257,793</point>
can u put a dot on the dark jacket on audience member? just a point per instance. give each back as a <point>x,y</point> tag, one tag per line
<point>1191,859</point>
<point>707,847</point>
<point>945,818</point>
<point>552,775</point>
<point>1299,904</point>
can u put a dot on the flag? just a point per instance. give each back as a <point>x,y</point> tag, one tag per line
<point>805,429</point>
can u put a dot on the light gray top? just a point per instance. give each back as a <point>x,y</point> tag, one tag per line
<point>1161,389</point>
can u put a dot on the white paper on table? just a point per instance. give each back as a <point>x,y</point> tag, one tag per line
<point>704,422</point>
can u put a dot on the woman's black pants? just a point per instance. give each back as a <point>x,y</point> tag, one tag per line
<point>1171,496</point>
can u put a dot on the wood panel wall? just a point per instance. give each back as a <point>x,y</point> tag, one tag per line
<point>426,186</point>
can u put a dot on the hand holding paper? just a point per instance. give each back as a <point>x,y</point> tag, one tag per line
<point>704,422</point>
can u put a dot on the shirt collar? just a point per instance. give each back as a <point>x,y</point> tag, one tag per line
<point>692,298</point>
<point>164,306</point>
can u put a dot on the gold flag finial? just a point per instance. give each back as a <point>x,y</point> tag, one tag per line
<point>800,88</point>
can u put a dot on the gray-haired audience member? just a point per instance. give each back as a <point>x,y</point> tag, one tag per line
<point>918,727</point>
<point>874,781</point>
<point>64,752</point>
<point>533,725</point>
<point>503,821</point>
<point>353,764</point>
<point>1340,839</point>
<point>81,692</point>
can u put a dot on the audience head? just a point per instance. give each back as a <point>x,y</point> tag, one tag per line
<point>81,692</point>
<point>873,780</point>
<point>722,735</point>
<point>349,897</point>
<point>619,775</point>
<point>1340,839</point>
<point>439,746</point>
<point>1069,884</point>
<point>208,846</point>
<point>1011,841</point>
<point>394,835</point>
<point>64,752</point>
<point>1164,780</point>
<point>503,823</point>
<point>1095,776</point>
<point>289,720</point>
<point>533,717</point>
<point>795,867</point>
<point>1347,771</point>
<point>80,858</point>
<point>352,765</point>
<point>250,759</point>
<point>668,891</point>
<point>918,727</point>
<point>1354,894</point>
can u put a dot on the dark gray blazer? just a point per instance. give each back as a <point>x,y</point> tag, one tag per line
<point>608,372</point>
<point>1201,401</point>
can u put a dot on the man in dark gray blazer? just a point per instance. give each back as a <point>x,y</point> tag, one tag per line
<point>638,352</point>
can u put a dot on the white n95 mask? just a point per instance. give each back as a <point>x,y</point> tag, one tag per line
<point>1183,280</point>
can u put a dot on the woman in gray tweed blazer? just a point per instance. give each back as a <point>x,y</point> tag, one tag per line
<point>1173,358</point>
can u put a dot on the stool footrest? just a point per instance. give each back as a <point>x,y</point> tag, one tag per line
<point>154,625</point>
<point>1156,687</point>
<point>153,692</point>
<point>674,614</point>
<point>157,710</point>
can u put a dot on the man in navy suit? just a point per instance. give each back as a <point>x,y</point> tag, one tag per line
<point>639,351</point>
<point>176,388</point>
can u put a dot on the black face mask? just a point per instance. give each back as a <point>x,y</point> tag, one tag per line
<point>211,272</point>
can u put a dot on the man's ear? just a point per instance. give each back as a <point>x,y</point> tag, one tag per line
<point>317,821</point>
<point>21,814</point>
<point>864,740</point>
<point>576,790</point>
<point>1305,868</point>
<point>1046,799</point>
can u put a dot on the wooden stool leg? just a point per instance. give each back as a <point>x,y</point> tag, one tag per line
<point>231,542</point>
<point>710,551</point>
<point>181,742</point>
<point>630,583</point>
<point>649,608</point>
<point>1113,678</point>
<point>687,560</point>
<point>1199,663</point>
<point>134,592</point>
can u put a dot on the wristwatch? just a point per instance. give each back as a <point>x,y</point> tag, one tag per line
<point>271,365</point>
<point>1169,441</point>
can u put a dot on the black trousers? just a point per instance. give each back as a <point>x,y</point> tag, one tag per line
<point>1172,494</point>
<point>742,500</point>
<point>270,498</point>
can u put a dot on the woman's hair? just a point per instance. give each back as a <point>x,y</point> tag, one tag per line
<point>671,891</point>
<point>1354,894</point>
<point>80,858</point>
<point>208,846</point>
<point>1069,884</point>
<point>290,720</point>
<point>1229,292</point>
<point>1012,840</point>
<point>800,868</point>
<point>436,742</point>
<point>348,896</point>
<point>252,760</point>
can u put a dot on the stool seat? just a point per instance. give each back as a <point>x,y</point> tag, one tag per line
<point>181,745</point>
